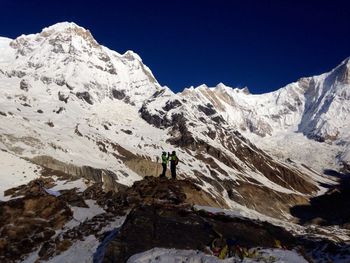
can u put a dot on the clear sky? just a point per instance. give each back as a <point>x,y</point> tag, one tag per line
<point>260,44</point>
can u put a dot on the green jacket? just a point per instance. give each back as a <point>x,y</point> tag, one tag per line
<point>174,160</point>
<point>165,159</point>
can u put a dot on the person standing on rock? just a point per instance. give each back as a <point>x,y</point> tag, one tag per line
<point>165,160</point>
<point>173,163</point>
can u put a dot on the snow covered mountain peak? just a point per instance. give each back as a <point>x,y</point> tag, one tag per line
<point>68,55</point>
<point>224,88</point>
<point>342,72</point>
<point>202,86</point>
<point>62,26</point>
<point>59,38</point>
<point>221,87</point>
<point>71,29</point>
<point>346,62</point>
<point>316,107</point>
<point>131,55</point>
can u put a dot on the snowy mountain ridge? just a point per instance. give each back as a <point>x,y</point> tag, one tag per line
<point>315,107</point>
<point>69,56</point>
<point>307,106</point>
<point>92,123</point>
<point>68,100</point>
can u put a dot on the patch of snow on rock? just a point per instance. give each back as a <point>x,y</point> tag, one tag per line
<point>14,172</point>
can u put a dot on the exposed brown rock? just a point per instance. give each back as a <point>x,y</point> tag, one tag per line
<point>265,200</point>
<point>147,227</point>
<point>28,221</point>
<point>72,198</point>
<point>196,196</point>
<point>34,187</point>
<point>73,172</point>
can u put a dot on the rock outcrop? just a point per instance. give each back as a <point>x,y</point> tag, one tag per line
<point>28,221</point>
<point>161,217</point>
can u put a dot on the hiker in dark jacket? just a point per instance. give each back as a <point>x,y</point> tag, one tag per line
<point>173,162</point>
<point>165,160</point>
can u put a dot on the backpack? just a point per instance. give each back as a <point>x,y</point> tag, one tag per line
<point>176,160</point>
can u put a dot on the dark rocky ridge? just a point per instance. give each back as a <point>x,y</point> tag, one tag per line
<point>147,227</point>
<point>268,201</point>
<point>207,110</point>
<point>162,215</point>
<point>166,220</point>
<point>85,96</point>
<point>118,94</point>
<point>332,208</point>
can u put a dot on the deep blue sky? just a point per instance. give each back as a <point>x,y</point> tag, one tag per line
<point>260,44</point>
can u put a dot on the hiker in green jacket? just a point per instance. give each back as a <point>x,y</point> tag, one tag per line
<point>165,160</point>
<point>173,163</point>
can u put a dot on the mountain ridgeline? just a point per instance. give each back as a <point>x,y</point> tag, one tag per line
<point>82,129</point>
<point>71,104</point>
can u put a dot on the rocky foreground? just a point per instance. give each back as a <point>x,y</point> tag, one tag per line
<point>159,213</point>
